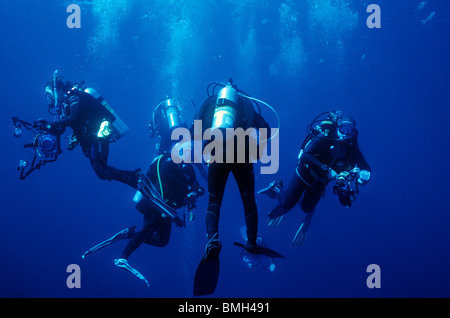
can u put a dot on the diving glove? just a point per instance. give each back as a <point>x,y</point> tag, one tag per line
<point>364,176</point>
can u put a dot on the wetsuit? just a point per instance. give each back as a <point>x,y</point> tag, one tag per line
<point>242,172</point>
<point>84,114</point>
<point>174,182</point>
<point>310,179</point>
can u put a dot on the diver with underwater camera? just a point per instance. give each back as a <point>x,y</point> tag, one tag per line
<point>94,124</point>
<point>329,153</point>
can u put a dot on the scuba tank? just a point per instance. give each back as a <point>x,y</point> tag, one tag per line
<point>225,110</point>
<point>168,115</point>
<point>118,126</point>
<point>174,113</point>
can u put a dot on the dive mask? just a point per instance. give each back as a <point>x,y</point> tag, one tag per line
<point>347,131</point>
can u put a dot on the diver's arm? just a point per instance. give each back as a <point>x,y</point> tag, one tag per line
<point>308,157</point>
<point>72,111</point>
<point>312,161</point>
<point>319,146</point>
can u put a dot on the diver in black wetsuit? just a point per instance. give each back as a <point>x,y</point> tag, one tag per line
<point>330,152</point>
<point>94,125</point>
<point>228,109</point>
<point>244,117</point>
<point>175,184</point>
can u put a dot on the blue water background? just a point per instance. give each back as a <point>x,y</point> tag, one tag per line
<point>301,57</point>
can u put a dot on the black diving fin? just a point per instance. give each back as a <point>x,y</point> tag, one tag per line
<point>207,274</point>
<point>261,250</point>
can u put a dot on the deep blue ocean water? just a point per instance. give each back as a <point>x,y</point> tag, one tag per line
<point>303,58</point>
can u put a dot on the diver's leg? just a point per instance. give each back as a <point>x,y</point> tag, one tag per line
<point>124,234</point>
<point>217,179</point>
<point>98,156</point>
<point>245,179</point>
<point>292,195</point>
<point>308,203</point>
<point>132,245</point>
<point>139,237</point>
<point>160,232</point>
<point>311,198</point>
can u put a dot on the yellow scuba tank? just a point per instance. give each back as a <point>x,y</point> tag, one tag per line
<point>118,126</point>
<point>225,111</point>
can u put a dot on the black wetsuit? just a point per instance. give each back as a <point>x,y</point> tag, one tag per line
<point>174,182</point>
<point>310,178</point>
<point>242,172</point>
<point>85,115</point>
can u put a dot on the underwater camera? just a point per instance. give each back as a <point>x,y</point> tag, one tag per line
<point>46,144</point>
<point>346,187</point>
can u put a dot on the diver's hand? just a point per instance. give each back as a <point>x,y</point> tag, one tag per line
<point>277,212</point>
<point>364,176</point>
<point>200,191</point>
<point>178,222</point>
<point>191,199</point>
<point>355,170</point>
<point>331,174</point>
<point>74,100</point>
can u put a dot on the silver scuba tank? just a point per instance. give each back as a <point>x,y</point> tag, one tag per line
<point>118,126</point>
<point>225,111</point>
<point>174,113</point>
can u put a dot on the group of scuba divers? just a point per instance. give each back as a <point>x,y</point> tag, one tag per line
<point>330,153</point>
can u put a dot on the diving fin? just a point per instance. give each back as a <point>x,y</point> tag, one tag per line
<point>273,190</point>
<point>126,233</point>
<point>274,222</point>
<point>300,236</point>
<point>260,250</point>
<point>277,212</point>
<point>207,273</point>
<point>123,263</point>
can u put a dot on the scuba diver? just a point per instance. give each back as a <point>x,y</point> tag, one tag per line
<point>94,123</point>
<point>329,152</point>
<point>230,108</point>
<point>174,186</point>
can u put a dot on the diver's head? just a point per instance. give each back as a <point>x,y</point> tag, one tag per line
<point>54,90</point>
<point>346,128</point>
<point>49,94</point>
